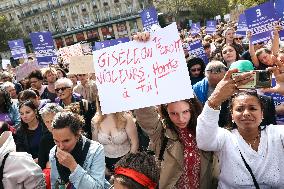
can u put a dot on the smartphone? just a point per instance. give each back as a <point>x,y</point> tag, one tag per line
<point>261,79</point>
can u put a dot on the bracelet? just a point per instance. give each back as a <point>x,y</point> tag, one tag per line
<point>211,105</point>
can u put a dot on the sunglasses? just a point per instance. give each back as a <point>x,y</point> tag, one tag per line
<point>217,70</point>
<point>195,69</point>
<point>239,38</point>
<point>61,89</point>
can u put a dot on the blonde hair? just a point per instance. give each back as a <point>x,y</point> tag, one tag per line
<point>119,117</point>
<point>48,70</point>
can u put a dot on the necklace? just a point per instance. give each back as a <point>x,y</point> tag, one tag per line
<point>251,144</point>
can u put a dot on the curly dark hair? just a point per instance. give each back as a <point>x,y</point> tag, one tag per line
<point>7,100</point>
<point>36,74</point>
<point>232,125</point>
<point>31,105</point>
<point>68,119</point>
<point>141,162</point>
<point>195,110</point>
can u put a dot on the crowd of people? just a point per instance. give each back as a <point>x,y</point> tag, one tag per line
<point>54,135</point>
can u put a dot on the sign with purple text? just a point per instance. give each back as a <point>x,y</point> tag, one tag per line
<point>140,74</point>
<point>196,48</point>
<point>149,17</point>
<point>108,43</point>
<point>242,26</point>
<point>210,26</point>
<point>18,49</point>
<point>278,102</point>
<point>195,28</point>
<point>44,48</point>
<point>279,6</point>
<point>261,21</point>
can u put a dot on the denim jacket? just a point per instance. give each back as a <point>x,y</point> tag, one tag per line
<point>91,175</point>
<point>15,115</point>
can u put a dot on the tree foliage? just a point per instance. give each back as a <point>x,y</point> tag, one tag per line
<point>246,3</point>
<point>8,31</point>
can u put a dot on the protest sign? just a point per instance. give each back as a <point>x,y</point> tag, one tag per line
<point>81,64</point>
<point>65,53</point>
<point>211,26</point>
<point>242,26</point>
<point>278,101</point>
<point>279,6</point>
<point>44,48</point>
<point>189,23</point>
<point>261,21</point>
<point>25,69</point>
<point>195,28</point>
<point>149,17</point>
<point>142,74</point>
<point>18,49</point>
<point>5,63</point>
<point>108,43</point>
<point>227,17</point>
<point>196,48</point>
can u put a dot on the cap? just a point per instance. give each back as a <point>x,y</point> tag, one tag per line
<point>242,65</point>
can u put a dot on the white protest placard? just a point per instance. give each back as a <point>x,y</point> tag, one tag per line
<point>66,52</point>
<point>81,64</point>
<point>5,63</point>
<point>140,74</point>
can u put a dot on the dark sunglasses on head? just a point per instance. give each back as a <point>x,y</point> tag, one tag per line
<point>61,89</point>
<point>217,70</point>
<point>195,69</point>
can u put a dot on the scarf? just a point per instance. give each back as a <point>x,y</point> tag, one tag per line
<point>79,153</point>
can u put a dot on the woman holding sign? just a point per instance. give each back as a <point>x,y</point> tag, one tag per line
<point>250,156</point>
<point>173,139</point>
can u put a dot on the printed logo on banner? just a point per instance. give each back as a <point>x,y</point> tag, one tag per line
<point>44,48</point>
<point>195,28</point>
<point>211,26</point>
<point>196,48</point>
<point>242,26</point>
<point>149,17</point>
<point>279,6</point>
<point>278,101</point>
<point>142,74</point>
<point>17,48</point>
<point>108,43</point>
<point>261,21</point>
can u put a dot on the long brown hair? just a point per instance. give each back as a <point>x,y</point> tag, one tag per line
<point>195,110</point>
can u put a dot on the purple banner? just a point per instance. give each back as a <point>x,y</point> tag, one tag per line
<point>278,101</point>
<point>108,43</point>
<point>261,21</point>
<point>242,26</point>
<point>211,26</point>
<point>18,49</point>
<point>44,48</point>
<point>195,28</point>
<point>196,48</point>
<point>279,6</point>
<point>149,17</point>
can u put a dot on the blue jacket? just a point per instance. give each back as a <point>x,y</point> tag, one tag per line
<point>91,175</point>
<point>15,115</point>
<point>201,90</point>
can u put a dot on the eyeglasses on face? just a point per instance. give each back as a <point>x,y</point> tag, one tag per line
<point>81,75</point>
<point>195,69</point>
<point>238,38</point>
<point>61,89</point>
<point>217,70</point>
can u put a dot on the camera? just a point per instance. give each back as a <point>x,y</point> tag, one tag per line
<point>261,79</point>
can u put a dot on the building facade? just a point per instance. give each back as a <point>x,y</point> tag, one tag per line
<point>72,21</point>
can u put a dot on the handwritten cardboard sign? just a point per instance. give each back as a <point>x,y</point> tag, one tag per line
<point>140,74</point>
<point>81,64</point>
<point>66,52</point>
<point>25,69</point>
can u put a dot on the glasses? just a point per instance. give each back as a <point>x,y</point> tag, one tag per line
<point>217,70</point>
<point>81,75</point>
<point>195,69</point>
<point>238,38</point>
<point>61,89</point>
